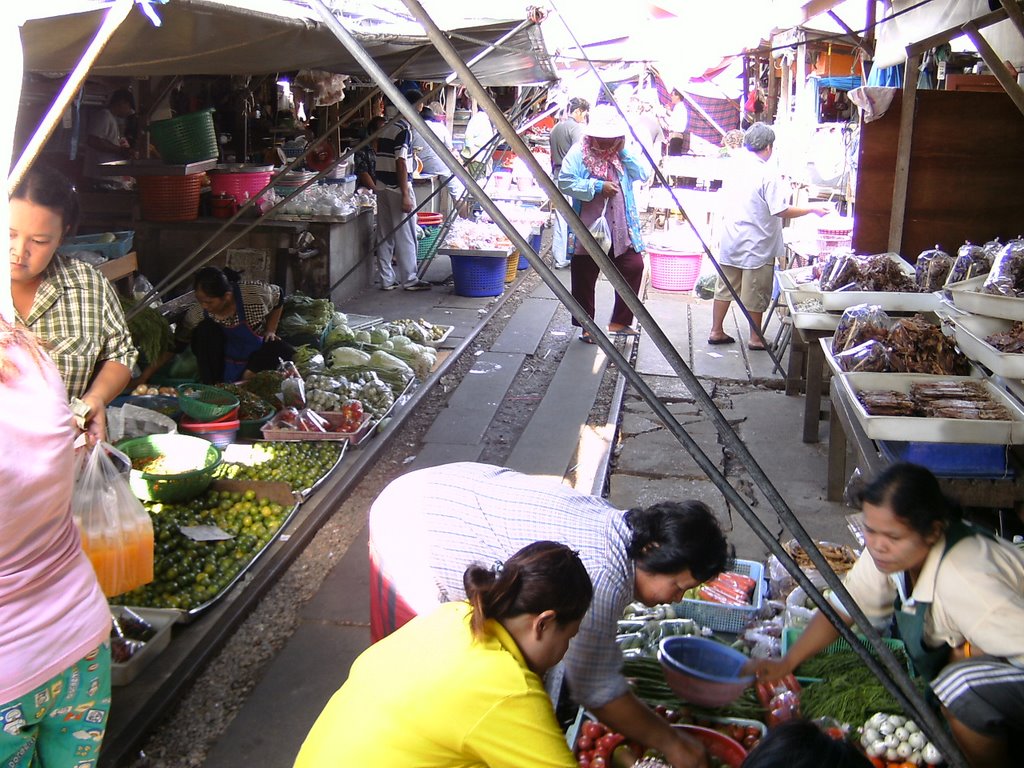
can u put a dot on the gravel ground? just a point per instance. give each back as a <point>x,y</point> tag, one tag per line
<point>183,739</point>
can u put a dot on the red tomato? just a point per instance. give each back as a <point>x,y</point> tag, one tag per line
<point>584,743</point>
<point>598,762</point>
<point>607,743</point>
<point>583,761</point>
<point>593,730</point>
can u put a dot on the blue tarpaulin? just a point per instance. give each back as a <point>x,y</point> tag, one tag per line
<point>847,83</point>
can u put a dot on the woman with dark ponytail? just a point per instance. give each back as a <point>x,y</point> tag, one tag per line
<point>463,685</point>
<point>232,327</point>
<point>956,593</point>
<point>427,526</point>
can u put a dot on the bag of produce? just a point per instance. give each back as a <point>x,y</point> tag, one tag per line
<point>116,530</point>
<point>932,269</point>
<point>871,356</point>
<point>860,323</point>
<point>971,261</point>
<point>842,273</point>
<point>1007,275</point>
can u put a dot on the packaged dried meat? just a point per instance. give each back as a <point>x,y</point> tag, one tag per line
<point>860,323</point>
<point>882,272</point>
<point>1007,275</point>
<point>844,270</point>
<point>871,357</point>
<point>971,261</point>
<point>932,269</point>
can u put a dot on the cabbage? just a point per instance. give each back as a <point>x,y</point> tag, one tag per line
<point>388,362</point>
<point>378,335</point>
<point>363,336</point>
<point>339,336</point>
<point>401,341</point>
<point>349,357</point>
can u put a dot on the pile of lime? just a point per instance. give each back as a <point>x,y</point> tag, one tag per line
<point>301,464</point>
<point>187,573</point>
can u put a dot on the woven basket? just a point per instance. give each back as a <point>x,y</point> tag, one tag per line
<point>512,267</point>
<point>186,138</point>
<point>478,275</point>
<point>170,198</point>
<point>177,487</point>
<point>205,403</point>
<point>240,185</point>
<point>427,244</point>
<point>674,270</point>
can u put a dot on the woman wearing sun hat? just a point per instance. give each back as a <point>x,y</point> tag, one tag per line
<point>598,173</point>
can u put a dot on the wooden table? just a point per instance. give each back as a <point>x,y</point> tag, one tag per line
<point>846,436</point>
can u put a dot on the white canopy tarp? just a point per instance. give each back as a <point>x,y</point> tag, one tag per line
<point>216,37</point>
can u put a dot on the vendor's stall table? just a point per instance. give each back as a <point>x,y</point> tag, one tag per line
<point>847,435</point>
<point>807,372</point>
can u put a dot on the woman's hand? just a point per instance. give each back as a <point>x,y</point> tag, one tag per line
<point>687,752</point>
<point>270,336</point>
<point>96,421</point>
<point>609,189</point>
<point>768,670</point>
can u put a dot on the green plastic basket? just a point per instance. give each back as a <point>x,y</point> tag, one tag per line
<point>790,635</point>
<point>182,486</point>
<point>252,429</point>
<point>186,138</point>
<point>205,403</point>
<point>427,244</point>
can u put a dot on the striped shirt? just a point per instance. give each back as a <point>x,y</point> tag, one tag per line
<point>428,526</point>
<point>393,144</point>
<point>258,301</point>
<point>78,317</point>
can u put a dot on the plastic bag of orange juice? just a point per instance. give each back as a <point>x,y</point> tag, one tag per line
<point>116,530</point>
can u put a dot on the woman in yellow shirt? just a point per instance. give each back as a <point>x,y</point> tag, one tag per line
<point>461,687</point>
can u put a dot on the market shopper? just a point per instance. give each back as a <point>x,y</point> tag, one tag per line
<point>54,619</point>
<point>598,173</point>
<point>462,686</point>
<point>232,327</point>
<point>566,133</point>
<point>802,744</point>
<point>957,596</point>
<point>756,203</point>
<point>677,123</point>
<point>364,161</point>
<point>67,304</point>
<point>426,526</point>
<point>396,234</point>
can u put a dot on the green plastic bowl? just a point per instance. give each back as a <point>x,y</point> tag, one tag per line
<point>194,452</point>
<point>252,429</point>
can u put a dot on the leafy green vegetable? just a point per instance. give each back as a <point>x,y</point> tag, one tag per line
<point>848,691</point>
<point>348,356</point>
<point>151,333</point>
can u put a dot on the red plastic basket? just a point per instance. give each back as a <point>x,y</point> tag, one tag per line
<point>220,433</point>
<point>170,198</point>
<point>427,218</point>
<point>241,185</point>
<point>674,270</point>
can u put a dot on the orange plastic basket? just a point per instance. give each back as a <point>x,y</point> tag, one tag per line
<point>511,266</point>
<point>170,198</point>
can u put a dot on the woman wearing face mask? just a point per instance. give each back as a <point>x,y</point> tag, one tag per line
<point>68,305</point>
<point>463,686</point>
<point>598,172</point>
<point>957,595</point>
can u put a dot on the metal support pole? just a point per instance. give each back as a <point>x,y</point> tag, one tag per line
<point>115,17</point>
<point>888,669</point>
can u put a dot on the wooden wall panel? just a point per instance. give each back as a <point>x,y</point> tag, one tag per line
<point>966,173</point>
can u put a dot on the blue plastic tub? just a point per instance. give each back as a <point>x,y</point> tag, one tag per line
<point>535,242</point>
<point>479,275</point>
<point>952,459</point>
<point>523,263</point>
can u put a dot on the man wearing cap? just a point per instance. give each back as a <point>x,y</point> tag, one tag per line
<point>598,173</point>
<point>563,136</point>
<point>756,202</point>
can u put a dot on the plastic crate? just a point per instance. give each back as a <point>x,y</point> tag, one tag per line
<point>727,618</point>
<point>170,198</point>
<point>121,246</point>
<point>205,403</point>
<point>674,270</point>
<point>952,459</point>
<point>186,138</point>
<point>477,276</point>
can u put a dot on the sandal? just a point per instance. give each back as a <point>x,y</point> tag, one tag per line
<point>586,338</point>
<point>723,340</point>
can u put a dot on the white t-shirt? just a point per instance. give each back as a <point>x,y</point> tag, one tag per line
<point>104,125</point>
<point>679,119</point>
<point>753,197</point>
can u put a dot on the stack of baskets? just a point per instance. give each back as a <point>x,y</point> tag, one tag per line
<point>430,223</point>
<point>186,139</point>
<point>210,413</point>
<point>834,233</point>
<point>512,266</point>
<point>170,198</point>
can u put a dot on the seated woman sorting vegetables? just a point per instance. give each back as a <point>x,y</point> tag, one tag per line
<point>957,595</point>
<point>70,307</point>
<point>231,345</point>
<point>462,686</point>
<point>426,526</point>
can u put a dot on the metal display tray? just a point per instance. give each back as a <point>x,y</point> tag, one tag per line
<point>891,301</point>
<point>161,619</point>
<point>810,321</point>
<point>970,332</point>
<point>799,279</point>
<point>930,430</point>
<point>967,296</point>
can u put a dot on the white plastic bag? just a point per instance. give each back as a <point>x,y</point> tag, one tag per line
<point>130,421</point>
<point>117,533</point>
<point>601,231</point>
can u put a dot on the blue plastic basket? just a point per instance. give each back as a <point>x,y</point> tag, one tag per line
<point>479,275</point>
<point>727,618</point>
<point>120,247</point>
<point>535,242</point>
<point>952,459</point>
<point>523,263</point>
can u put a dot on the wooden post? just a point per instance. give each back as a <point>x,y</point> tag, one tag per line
<point>1016,15</point>
<point>902,174</point>
<point>771,106</point>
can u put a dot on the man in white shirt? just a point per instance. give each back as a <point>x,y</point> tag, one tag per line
<point>756,202</point>
<point>105,142</point>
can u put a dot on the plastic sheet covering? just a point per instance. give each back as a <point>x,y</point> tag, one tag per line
<point>130,421</point>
